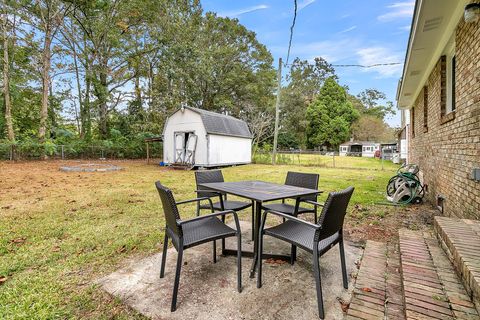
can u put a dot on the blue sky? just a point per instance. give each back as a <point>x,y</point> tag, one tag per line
<point>343,32</point>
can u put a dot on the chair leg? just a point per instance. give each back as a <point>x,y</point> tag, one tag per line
<point>259,261</point>
<point>239,261</point>
<point>344,267</point>
<point>177,280</point>
<point>318,284</point>
<point>315,213</point>
<point>253,221</point>
<point>164,255</point>
<point>214,251</point>
<point>293,254</point>
<point>223,240</point>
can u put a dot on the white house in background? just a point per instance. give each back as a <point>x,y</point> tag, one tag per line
<point>359,148</point>
<point>200,138</point>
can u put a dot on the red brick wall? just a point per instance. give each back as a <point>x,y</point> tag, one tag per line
<point>447,152</point>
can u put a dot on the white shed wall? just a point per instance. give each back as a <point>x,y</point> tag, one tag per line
<point>225,150</point>
<point>185,121</point>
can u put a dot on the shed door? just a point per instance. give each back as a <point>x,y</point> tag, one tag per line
<point>185,145</point>
<point>179,146</point>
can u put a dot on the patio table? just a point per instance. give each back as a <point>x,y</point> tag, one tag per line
<point>259,192</point>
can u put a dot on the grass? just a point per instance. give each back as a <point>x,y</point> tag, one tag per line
<point>61,231</point>
<point>318,160</point>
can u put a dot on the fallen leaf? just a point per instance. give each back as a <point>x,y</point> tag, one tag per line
<point>366,289</point>
<point>275,261</point>
<point>56,249</point>
<point>3,279</point>
<point>343,304</point>
<point>18,240</point>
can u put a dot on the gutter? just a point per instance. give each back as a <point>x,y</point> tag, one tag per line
<point>416,11</point>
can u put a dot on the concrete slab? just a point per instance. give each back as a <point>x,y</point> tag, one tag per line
<point>208,290</point>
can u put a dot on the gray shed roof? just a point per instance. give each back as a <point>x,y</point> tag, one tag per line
<point>216,123</point>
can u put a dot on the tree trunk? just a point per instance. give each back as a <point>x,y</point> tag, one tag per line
<point>46,60</point>
<point>85,111</point>
<point>6,83</point>
<point>81,123</point>
<point>102,90</point>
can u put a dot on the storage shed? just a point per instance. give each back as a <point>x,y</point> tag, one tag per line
<point>198,138</point>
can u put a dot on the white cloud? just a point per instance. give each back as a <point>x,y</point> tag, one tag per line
<point>305,3</point>
<point>398,10</point>
<point>348,29</point>
<point>331,50</point>
<point>378,55</point>
<point>239,12</point>
<point>405,28</point>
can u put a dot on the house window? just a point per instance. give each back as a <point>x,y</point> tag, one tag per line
<point>451,82</point>
<point>447,78</point>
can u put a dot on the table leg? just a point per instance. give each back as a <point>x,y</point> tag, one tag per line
<point>258,214</point>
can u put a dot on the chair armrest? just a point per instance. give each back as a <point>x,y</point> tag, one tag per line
<point>315,203</point>
<point>290,217</point>
<point>196,200</point>
<point>209,191</point>
<point>214,214</point>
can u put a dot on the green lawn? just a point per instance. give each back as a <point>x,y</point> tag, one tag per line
<point>61,231</point>
<point>326,161</point>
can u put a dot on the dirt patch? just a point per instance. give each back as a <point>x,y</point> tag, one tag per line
<point>381,222</point>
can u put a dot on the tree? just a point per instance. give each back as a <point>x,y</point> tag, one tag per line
<point>6,74</point>
<point>330,117</point>
<point>304,83</point>
<point>47,17</point>
<point>367,103</point>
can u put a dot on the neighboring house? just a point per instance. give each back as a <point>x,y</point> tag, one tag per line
<point>404,135</point>
<point>201,138</point>
<point>359,148</point>
<point>388,150</point>
<point>441,88</point>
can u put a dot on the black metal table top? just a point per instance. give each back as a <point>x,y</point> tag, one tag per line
<point>260,191</point>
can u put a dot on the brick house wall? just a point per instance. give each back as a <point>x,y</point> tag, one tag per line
<point>447,147</point>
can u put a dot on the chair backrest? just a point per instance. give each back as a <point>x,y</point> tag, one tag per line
<point>207,177</point>
<point>303,180</point>
<point>169,208</point>
<point>333,213</point>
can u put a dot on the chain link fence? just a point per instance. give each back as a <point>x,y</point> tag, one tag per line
<point>326,159</point>
<point>37,151</point>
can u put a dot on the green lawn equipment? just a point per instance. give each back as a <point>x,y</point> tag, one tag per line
<point>405,187</point>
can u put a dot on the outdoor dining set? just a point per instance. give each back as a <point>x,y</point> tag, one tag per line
<point>271,198</point>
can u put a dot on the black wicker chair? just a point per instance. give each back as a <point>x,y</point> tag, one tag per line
<point>303,180</point>
<point>298,179</point>
<point>314,238</point>
<point>189,233</point>
<point>223,203</point>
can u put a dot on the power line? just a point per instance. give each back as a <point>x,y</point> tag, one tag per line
<point>367,66</point>
<point>291,31</point>
<point>355,65</point>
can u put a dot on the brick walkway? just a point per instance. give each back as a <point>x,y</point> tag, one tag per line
<point>411,280</point>
<point>377,291</point>
<point>430,284</point>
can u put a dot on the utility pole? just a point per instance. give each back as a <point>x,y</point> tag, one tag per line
<point>277,111</point>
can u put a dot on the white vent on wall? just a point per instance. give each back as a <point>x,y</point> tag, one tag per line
<point>432,24</point>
